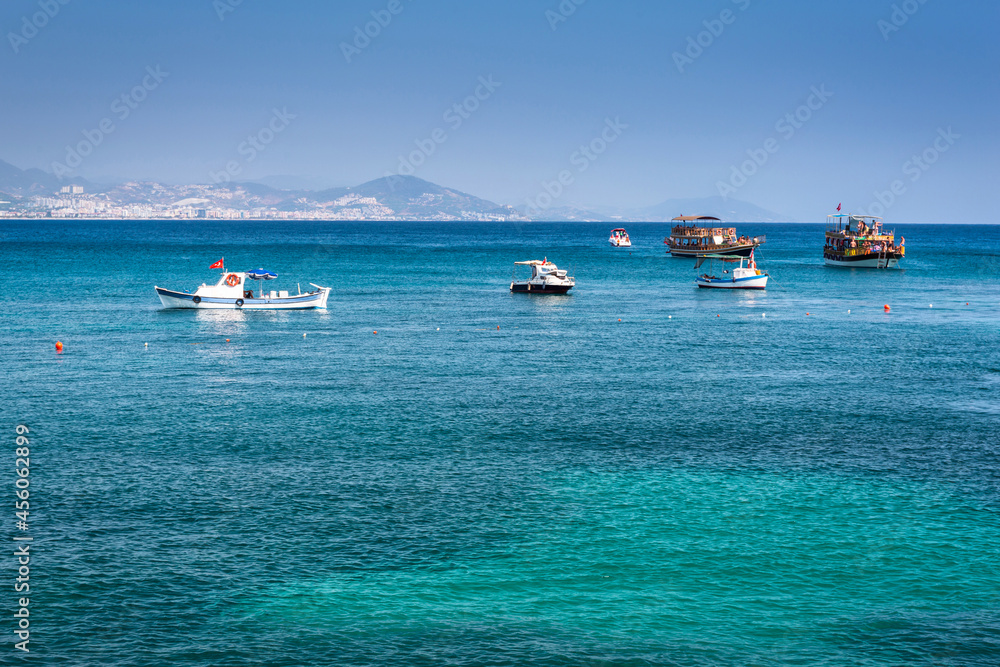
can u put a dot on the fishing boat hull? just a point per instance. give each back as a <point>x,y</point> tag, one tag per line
<point>872,260</point>
<point>620,244</point>
<point>172,299</point>
<point>730,251</point>
<point>528,288</point>
<point>750,282</point>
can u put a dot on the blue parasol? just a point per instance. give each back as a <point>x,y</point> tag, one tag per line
<point>261,274</point>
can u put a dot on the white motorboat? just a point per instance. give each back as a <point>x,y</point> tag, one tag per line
<point>619,239</point>
<point>546,278</point>
<point>232,292</point>
<point>721,276</point>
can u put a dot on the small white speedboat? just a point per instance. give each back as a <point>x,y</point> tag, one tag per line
<point>232,292</point>
<point>546,278</point>
<point>722,273</point>
<point>619,239</point>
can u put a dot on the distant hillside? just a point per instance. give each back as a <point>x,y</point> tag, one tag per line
<point>729,210</point>
<point>389,198</point>
<point>415,198</point>
<point>572,214</point>
<point>27,181</point>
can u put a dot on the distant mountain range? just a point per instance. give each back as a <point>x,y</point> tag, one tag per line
<point>729,210</point>
<point>24,182</point>
<point>392,197</point>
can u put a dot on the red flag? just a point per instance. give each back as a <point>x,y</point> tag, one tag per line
<point>218,265</point>
<point>839,205</point>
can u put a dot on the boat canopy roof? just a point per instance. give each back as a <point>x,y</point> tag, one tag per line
<point>618,230</point>
<point>533,262</point>
<point>261,274</point>
<point>722,258</point>
<point>854,217</point>
<point>694,218</point>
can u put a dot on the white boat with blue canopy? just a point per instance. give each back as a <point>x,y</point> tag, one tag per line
<point>722,272</point>
<point>235,292</point>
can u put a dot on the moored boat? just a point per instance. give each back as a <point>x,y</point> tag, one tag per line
<point>546,278</point>
<point>859,241</point>
<point>232,293</point>
<point>689,239</point>
<point>619,238</point>
<point>723,275</point>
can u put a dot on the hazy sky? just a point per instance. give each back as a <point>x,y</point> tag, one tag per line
<point>677,117</point>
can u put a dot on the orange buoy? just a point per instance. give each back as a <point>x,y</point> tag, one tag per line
<point>498,327</point>
<point>374,332</point>
<point>807,314</point>
<point>59,346</point>
<point>227,340</point>
<point>619,319</point>
<point>887,308</point>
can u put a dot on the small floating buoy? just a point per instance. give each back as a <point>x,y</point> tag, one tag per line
<point>498,327</point>
<point>145,344</point>
<point>374,333</point>
<point>227,340</point>
<point>619,319</point>
<point>59,346</point>
<point>670,317</point>
<point>807,314</point>
<point>439,328</point>
<point>931,306</point>
<point>303,335</point>
<point>887,308</point>
<point>718,315</point>
<point>848,311</point>
<point>763,314</point>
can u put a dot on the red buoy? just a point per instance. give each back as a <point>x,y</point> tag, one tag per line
<point>59,346</point>
<point>887,308</point>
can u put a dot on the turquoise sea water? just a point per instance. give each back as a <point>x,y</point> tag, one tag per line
<point>717,478</point>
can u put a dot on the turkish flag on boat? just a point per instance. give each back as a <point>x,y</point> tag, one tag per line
<point>839,205</point>
<point>218,265</point>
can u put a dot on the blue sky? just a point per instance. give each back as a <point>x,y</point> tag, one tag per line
<point>889,92</point>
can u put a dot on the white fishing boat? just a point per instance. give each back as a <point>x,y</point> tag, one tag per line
<point>234,292</point>
<point>546,278</point>
<point>619,239</point>
<point>723,274</point>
